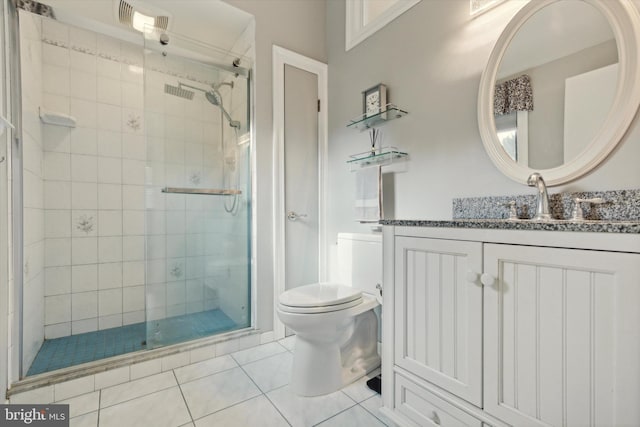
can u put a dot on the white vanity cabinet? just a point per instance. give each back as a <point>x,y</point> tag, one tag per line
<point>501,327</point>
<point>438,313</point>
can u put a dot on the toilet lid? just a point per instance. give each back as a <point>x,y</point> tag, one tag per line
<point>320,295</point>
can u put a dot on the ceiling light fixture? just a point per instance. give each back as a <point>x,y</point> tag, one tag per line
<point>140,21</point>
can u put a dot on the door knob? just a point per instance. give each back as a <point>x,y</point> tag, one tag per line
<point>472,276</point>
<point>292,216</point>
<point>487,279</point>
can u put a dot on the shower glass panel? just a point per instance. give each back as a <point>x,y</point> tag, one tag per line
<point>197,190</point>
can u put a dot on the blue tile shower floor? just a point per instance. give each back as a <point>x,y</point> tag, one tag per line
<point>82,348</point>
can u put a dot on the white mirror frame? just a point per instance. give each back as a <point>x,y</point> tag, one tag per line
<point>624,19</point>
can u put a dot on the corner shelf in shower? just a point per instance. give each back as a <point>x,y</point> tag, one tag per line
<point>57,118</point>
<point>362,123</point>
<point>201,191</point>
<point>381,157</point>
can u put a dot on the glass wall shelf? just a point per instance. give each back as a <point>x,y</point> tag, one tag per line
<point>381,157</point>
<point>389,113</point>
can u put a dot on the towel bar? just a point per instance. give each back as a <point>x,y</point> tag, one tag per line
<point>205,191</point>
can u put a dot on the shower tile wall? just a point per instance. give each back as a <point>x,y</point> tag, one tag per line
<point>197,252</point>
<point>93,182</point>
<point>184,151</point>
<point>34,213</point>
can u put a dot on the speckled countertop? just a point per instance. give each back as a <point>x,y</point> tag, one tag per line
<point>631,227</point>
<point>620,213</point>
<point>618,206</point>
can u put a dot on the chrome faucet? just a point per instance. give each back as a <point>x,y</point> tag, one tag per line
<point>542,208</point>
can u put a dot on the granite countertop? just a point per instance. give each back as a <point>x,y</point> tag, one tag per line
<point>631,227</point>
<point>619,213</point>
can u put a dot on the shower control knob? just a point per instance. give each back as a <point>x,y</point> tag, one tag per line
<point>292,216</point>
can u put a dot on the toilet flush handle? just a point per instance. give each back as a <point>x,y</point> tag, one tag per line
<point>379,288</point>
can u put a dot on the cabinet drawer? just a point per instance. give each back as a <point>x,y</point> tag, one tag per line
<point>426,409</point>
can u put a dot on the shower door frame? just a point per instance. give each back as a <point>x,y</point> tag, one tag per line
<point>282,57</point>
<point>15,231</point>
<point>11,105</point>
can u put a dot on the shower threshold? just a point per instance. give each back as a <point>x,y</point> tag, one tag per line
<point>59,353</point>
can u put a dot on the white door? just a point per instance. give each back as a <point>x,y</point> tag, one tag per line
<point>301,176</point>
<point>300,150</point>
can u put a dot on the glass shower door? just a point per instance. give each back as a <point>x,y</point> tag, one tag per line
<point>197,193</point>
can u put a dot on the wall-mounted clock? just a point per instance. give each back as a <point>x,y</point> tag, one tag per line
<point>374,100</point>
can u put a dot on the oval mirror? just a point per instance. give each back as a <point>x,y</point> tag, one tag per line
<point>561,88</point>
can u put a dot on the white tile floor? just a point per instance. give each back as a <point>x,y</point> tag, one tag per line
<point>245,388</point>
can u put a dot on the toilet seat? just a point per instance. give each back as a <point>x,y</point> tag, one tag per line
<point>315,310</point>
<point>319,298</point>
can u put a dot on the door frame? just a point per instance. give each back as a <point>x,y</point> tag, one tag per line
<point>282,57</point>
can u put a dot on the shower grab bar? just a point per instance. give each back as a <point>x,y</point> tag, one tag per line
<point>205,191</point>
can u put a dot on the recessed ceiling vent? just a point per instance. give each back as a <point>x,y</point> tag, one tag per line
<point>162,22</point>
<point>125,13</point>
<point>141,16</point>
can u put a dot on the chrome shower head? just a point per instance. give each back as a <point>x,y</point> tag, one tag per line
<point>213,97</point>
<point>178,91</point>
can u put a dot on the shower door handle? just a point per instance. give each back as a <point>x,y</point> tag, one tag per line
<point>292,216</point>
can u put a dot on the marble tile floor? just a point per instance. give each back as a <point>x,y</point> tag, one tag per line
<point>245,388</point>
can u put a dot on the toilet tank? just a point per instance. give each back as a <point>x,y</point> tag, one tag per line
<point>360,261</point>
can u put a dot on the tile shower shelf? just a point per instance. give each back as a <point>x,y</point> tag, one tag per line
<point>364,123</point>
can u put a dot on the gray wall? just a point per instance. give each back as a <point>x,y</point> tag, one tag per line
<point>298,26</point>
<point>431,58</point>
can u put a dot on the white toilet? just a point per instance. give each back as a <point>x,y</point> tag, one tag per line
<point>336,328</point>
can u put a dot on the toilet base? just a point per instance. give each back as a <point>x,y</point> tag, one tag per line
<point>322,366</point>
<point>316,368</point>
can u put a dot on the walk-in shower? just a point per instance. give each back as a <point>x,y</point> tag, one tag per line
<point>137,211</point>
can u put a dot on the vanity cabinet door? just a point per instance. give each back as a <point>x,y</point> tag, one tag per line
<point>438,313</point>
<point>562,336</point>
